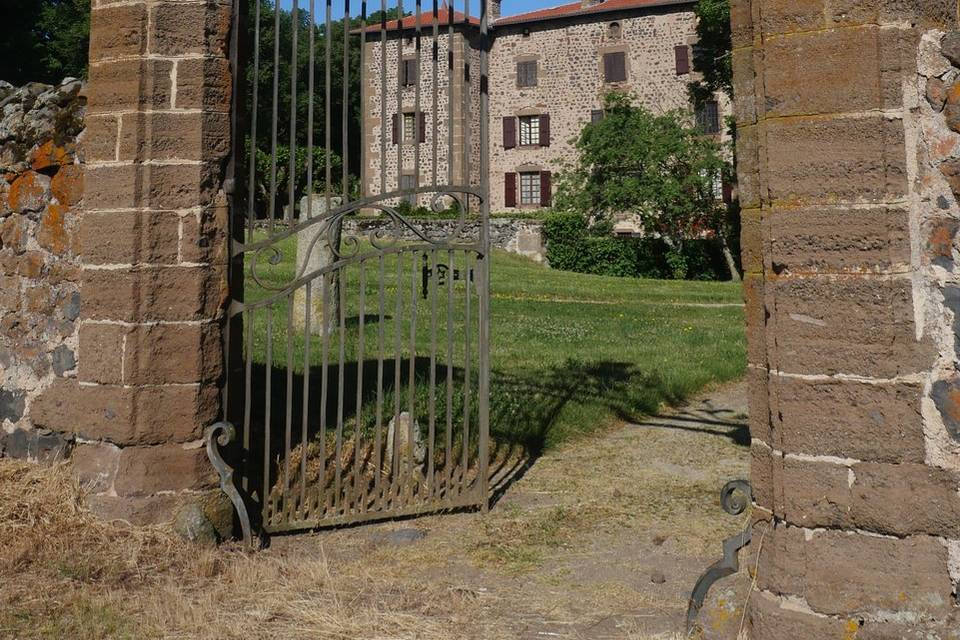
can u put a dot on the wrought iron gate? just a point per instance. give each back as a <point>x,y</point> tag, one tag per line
<point>357,346</point>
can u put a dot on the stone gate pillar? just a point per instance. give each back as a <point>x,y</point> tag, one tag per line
<point>848,174</point>
<point>152,239</point>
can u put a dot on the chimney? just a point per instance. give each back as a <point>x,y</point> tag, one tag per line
<point>493,8</point>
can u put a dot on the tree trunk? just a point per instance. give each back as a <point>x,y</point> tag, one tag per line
<point>728,256</point>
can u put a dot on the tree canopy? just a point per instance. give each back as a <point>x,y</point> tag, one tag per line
<point>711,55</point>
<point>44,40</point>
<point>657,167</point>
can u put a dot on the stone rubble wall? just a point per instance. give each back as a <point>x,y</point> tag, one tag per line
<point>848,161</point>
<point>41,189</point>
<point>514,235</point>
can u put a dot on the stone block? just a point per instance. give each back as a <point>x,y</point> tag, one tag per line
<point>118,31</point>
<point>159,186</point>
<point>840,572</point>
<point>125,415</point>
<point>751,241</point>
<point>750,188</point>
<point>745,66</point>
<point>203,236</point>
<point>741,23</point>
<point>850,325</point>
<point>128,85</point>
<point>143,294</point>
<point>172,354</point>
<point>758,403</point>
<point>768,619</point>
<point>101,350</point>
<point>756,318</point>
<point>174,136</point>
<point>130,237</point>
<point>836,240</point>
<point>841,158</point>
<point>95,466</point>
<point>55,232</point>
<point>29,193</point>
<point>872,422</point>
<point>204,83</point>
<point>100,137</point>
<point>144,471</point>
<point>190,28</point>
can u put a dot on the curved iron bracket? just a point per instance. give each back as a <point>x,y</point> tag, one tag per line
<point>734,498</point>
<point>220,435</point>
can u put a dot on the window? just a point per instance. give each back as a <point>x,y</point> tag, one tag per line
<point>530,187</point>
<point>407,182</point>
<point>682,55</point>
<point>409,127</point>
<point>615,66</point>
<point>527,73</point>
<point>529,130</point>
<point>596,116</point>
<point>408,72</point>
<point>614,31</point>
<point>708,117</point>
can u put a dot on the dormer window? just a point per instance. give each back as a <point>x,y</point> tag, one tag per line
<point>614,31</point>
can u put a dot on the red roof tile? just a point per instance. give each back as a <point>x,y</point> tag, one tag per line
<point>576,8</point>
<point>426,20</point>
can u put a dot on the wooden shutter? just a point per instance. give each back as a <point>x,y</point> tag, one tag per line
<point>421,126</point>
<point>615,66</point>
<point>409,72</point>
<point>396,128</point>
<point>682,54</point>
<point>510,189</point>
<point>509,132</point>
<point>545,130</point>
<point>546,192</point>
<point>596,116</point>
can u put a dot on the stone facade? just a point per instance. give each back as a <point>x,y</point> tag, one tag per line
<point>139,353</point>
<point>847,158</point>
<point>568,52</point>
<point>40,196</point>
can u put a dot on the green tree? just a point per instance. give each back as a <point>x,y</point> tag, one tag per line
<point>44,40</point>
<point>711,56</point>
<point>656,167</point>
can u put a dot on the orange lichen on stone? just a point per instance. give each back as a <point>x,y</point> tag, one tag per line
<point>67,185</point>
<point>29,192</point>
<point>49,155</point>
<point>53,234</point>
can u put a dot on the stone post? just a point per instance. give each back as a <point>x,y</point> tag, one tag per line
<point>153,256</point>
<point>849,243</point>
<point>315,252</point>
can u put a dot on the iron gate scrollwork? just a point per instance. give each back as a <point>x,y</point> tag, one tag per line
<point>357,377</point>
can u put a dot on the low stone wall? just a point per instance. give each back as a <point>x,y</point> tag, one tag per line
<point>40,193</point>
<point>522,237</point>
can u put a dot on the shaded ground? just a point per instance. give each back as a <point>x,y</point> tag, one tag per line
<point>599,539</point>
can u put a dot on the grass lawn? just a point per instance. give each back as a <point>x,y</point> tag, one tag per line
<point>570,353</point>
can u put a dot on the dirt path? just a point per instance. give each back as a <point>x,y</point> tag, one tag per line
<point>600,539</point>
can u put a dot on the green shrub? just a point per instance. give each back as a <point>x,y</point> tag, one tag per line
<point>573,245</point>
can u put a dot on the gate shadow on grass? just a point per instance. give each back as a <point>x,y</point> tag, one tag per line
<point>526,407</point>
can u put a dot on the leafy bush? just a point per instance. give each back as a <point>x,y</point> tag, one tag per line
<point>573,245</point>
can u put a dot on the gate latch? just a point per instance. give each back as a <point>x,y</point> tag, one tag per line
<point>443,272</point>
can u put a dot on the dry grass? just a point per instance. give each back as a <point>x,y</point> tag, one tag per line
<point>66,574</point>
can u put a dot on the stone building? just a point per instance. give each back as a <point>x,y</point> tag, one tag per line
<point>548,72</point>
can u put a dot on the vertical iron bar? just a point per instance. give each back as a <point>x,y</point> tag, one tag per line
<point>292,171</point>
<point>486,257</point>
<point>398,352</point>
<point>432,425</point>
<point>435,54</point>
<point>448,457</point>
<point>273,134</point>
<point>324,386</point>
<point>412,388</point>
<point>266,412</point>
<point>378,462</point>
<point>399,115</point>
<point>450,96</point>
<point>345,107</point>
<point>467,374</point>
<point>252,148</point>
<point>383,96</point>
<point>288,426</point>
<point>360,355</point>
<point>340,380</point>
<point>466,102</point>
<point>310,96</point>
<point>417,119</point>
<point>327,108</point>
<point>307,340</point>
<point>247,397</point>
